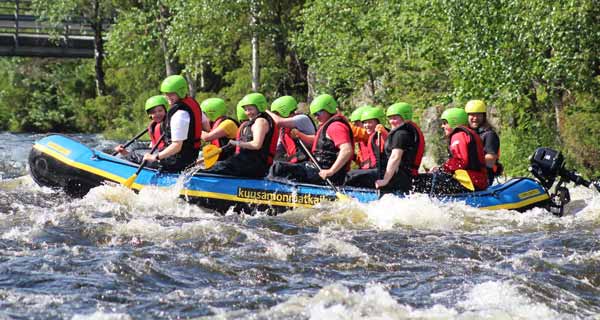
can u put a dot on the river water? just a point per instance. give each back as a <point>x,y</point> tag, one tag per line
<point>115,254</point>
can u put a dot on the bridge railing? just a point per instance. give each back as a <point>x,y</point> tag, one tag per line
<point>23,34</point>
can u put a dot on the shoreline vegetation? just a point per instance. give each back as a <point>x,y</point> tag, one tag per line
<point>536,64</point>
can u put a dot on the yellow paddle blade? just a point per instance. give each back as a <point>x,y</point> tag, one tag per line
<point>463,177</point>
<point>129,182</point>
<point>210,153</point>
<point>341,196</point>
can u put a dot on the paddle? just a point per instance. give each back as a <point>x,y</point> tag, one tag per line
<point>210,154</point>
<point>129,182</point>
<point>137,136</point>
<point>338,193</point>
<point>463,177</point>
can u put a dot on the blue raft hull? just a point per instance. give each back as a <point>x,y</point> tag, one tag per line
<point>60,162</point>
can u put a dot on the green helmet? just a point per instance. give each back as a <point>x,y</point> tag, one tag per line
<point>213,107</point>
<point>402,109</point>
<point>373,113</point>
<point>355,116</point>
<point>241,114</point>
<point>156,101</point>
<point>455,117</point>
<point>323,102</point>
<point>176,84</point>
<point>284,105</point>
<point>256,99</point>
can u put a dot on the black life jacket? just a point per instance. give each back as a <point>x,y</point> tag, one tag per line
<point>267,151</point>
<point>484,134</point>
<point>475,149</point>
<point>324,149</point>
<point>223,141</point>
<point>412,157</point>
<point>191,146</point>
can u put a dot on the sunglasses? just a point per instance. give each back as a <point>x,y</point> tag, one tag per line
<point>319,113</point>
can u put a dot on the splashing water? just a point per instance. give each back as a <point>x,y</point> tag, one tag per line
<point>118,254</point>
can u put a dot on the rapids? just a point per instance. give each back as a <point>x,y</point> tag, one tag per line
<point>115,254</point>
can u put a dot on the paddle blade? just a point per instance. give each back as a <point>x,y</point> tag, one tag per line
<point>210,153</point>
<point>129,182</point>
<point>341,196</point>
<point>463,177</point>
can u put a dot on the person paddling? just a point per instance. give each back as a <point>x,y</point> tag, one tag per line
<point>255,146</point>
<point>477,116</point>
<point>361,137</point>
<point>283,113</point>
<point>404,149</point>
<point>332,147</point>
<point>156,107</point>
<point>183,127</point>
<point>365,176</point>
<point>223,128</point>
<point>465,169</point>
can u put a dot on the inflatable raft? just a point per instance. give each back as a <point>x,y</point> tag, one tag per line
<point>57,161</point>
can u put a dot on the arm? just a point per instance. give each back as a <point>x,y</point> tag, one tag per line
<point>343,157</point>
<point>281,121</point>
<point>213,134</point>
<point>490,160</point>
<point>359,134</point>
<point>308,139</point>
<point>391,169</point>
<point>205,122</point>
<point>179,131</point>
<point>259,131</point>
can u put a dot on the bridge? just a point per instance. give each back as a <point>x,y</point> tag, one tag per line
<point>23,35</point>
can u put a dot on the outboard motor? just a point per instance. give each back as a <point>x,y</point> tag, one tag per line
<point>546,165</point>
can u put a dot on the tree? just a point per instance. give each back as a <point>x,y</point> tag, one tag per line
<point>380,44</point>
<point>518,48</point>
<point>96,13</point>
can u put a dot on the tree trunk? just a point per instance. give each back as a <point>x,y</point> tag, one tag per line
<point>255,49</point>
<point>98,50</point>
<point>558,105</point>
<point>170,66</point>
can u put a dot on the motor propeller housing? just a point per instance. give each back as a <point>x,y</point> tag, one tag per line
<point>546,165</point>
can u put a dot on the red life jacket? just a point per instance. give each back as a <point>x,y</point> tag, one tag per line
<point>197,114</point>
<point>374,148</point>
<point>363,156</point>
<point>155,132</point>
<point>269,147</point>
<point>475,162</point>
<point>222,141</point>
<point>293,151</point>
<point>324,149</point>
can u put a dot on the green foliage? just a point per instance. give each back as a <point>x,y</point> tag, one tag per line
<point>536,62</point>
<point>518,143</point>
<point>42,95</point>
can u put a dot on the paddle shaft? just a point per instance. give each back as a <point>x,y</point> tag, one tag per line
<point>143,164</point>
<point>128,143</point>
<point>378,148</point>
<point>314,161</point>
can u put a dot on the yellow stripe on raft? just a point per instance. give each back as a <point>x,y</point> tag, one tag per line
<point>517,205</point>
<point>224,196</point>
<point>183,192</point>
<point>79,165</point>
